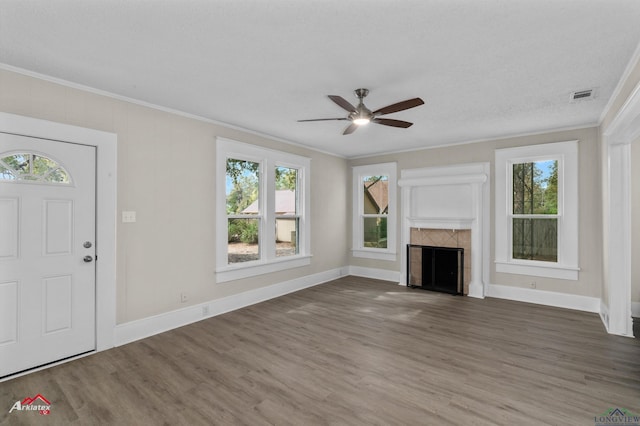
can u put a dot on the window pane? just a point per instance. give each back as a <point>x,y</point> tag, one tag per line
<point>18,162</point>
<point>286,204</point>
<point>375,232</point>
<point>33,168</point>
<point>535,239</point>
<point>58,175</point>
<point>42,165</point>
<point>242,187</point>
<point>376,195</point>
<point>5,174</point>
<point>535,187</point>
<point>244,244</point>
<point>287,236</point>
<point>286,191</point>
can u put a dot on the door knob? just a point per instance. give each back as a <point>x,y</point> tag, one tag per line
<point>88,259</point>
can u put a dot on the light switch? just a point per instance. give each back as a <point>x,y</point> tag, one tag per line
<point>128,217</point>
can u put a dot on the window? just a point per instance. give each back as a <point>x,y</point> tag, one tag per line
<point>30,167</point>
<point>374,211</point>
<point>534,213</point>
<point>242,190</point>
<point>263,210</point>
<point>287,213</point>
<point>537,211</point>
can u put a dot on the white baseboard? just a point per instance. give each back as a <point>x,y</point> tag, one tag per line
<point>375,273</point>
<point>635,309</point>
<point>145,327</point>
<point>541,297</point>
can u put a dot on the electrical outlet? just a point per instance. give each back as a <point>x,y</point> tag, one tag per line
<point>205,311</point>
<point>533,284</point>
<point>183,297</point>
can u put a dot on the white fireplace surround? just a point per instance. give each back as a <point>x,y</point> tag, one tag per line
<point>449,197</point>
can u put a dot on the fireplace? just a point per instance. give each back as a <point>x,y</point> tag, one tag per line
<point>449,207</point>
<point>435,268</point>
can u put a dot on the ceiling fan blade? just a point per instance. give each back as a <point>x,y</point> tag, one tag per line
<point>342,103</point>
<point>352,128</point>
<point>322,119</point>
<point>400,106</point>
<point>393,123</point>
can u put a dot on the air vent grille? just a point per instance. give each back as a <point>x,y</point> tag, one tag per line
<point>582,95</point>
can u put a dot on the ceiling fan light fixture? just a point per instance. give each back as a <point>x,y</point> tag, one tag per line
<point>361,115</point>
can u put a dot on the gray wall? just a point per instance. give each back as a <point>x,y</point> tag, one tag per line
<point>626,89</point>
<point>154,268</point>
<point>166,173</point>
<point>590,279</point>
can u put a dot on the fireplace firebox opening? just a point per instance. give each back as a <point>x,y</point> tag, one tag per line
<point>435,268</point>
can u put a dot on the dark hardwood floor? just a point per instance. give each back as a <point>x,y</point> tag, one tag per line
<point>353,351</point>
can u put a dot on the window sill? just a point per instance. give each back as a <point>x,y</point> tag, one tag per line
<point>374,254</point>
<point>539,269</point>
<point>251,269</point>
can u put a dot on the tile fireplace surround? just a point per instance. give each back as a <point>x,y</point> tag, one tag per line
<point>443,206</point>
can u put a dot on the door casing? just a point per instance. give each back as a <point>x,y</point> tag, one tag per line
<point>106,207</point>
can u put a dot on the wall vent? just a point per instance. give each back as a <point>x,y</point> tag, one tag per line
<point>582,95</point>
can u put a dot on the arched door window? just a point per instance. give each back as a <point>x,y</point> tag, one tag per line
<point>32,167</point>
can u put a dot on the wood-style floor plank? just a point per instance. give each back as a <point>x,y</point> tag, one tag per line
<point>354,351</point>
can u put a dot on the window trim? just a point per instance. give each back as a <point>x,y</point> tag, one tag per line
<point>268,160</point>
<point>358,249</point>
<point>566,153</point>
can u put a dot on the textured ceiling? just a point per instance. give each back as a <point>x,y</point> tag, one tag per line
<point>485,69</point>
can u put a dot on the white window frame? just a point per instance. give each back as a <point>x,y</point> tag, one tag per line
<point>358,249</point>
<point>566,153</point>
<point>268,159</point>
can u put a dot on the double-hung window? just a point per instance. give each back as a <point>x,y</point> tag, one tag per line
<point>374,211</point>
<point>263,210</point>
<point>537,210</point>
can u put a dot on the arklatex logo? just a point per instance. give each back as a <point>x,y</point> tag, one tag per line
<point>38,403</point>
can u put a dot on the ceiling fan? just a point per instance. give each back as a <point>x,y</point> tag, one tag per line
<point>362,115</point>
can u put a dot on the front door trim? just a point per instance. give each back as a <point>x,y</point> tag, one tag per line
<point>106,207</point>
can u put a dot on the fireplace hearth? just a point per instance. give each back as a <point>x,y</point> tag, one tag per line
<point>438,269</point>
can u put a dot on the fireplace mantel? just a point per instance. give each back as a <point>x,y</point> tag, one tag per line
<point>450,197</point>
<point>441,222</point>
<point>443,179</point>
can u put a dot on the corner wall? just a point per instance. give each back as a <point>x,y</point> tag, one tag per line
<point>166,174</point>
<point>635,229</point>
<point>589,283</point>
<point>627,85</point>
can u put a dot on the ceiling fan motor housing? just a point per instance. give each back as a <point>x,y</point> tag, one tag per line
<point>361,113</point>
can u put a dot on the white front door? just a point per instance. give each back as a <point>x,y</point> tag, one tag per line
<point>47,251</point>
